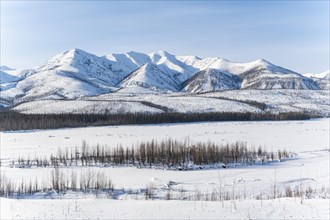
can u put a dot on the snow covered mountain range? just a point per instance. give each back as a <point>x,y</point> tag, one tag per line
<point>76,73</point>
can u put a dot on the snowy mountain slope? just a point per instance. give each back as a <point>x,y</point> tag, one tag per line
<point>21,73</point>
<point>171,65</point>
<point>149,76</point>
<point>7,80</point>
<point>6,68</point>
<point>262,79</point>
<point>85,66</point>
<point>282,100</point>
<point>323,79</point>
<point>129,61</point>
<point>83,107</point>
<point>186,104</point>
<point>211,80</point>
<point>51,85</point>
<point>144,103</point>
<point>323,75</point>
<point>231,67</point>
<point>261,74</point>
<point>265,75</point>
<point>137,89</point>
<point>6,77</point>
<point>218,63</point>
<point>177,67</point>
<point>323,83</point>
<point>71,74</point>
<point>76,73</point>
<point>327,75</point>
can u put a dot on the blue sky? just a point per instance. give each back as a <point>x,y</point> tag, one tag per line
<point>293,34</point>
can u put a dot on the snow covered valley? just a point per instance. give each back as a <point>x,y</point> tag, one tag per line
<point>297,188</point>
<point>254,101</point>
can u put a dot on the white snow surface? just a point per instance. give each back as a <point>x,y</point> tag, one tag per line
<point>312,101</point>
<point>119,209</point>
<point>127,104</point>
<point>309,139</point>
<point>297,136</point>
<point>84,107</point>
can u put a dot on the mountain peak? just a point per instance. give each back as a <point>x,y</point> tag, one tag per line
<point>134,53</point>
<point>76,51</point>
<point>223,60</point>
<point>263,62</point>
<point>151,77</point>
<point>161,53</point>
<point>149,67</point>
<point>71,57</point>
<point>65,58</point>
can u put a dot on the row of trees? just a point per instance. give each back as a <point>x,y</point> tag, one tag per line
<point>99,185</point>
<point>167,153</point>
<point>88,182</point>
<point>11,120</point>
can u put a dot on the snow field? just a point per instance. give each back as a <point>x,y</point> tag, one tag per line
<point>84,107</point>
<point>296,136</point>
<point>310,170</point>
<point>122,209</point>
<point>283,100</point>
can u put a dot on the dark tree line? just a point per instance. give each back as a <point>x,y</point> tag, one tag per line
<point>10,120</point>
<point>259,105</point>
<point>168,153</point>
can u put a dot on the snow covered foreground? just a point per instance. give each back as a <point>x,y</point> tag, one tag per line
<point>121,209</point>
<point>309,139</point>
<point>296,136</point>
